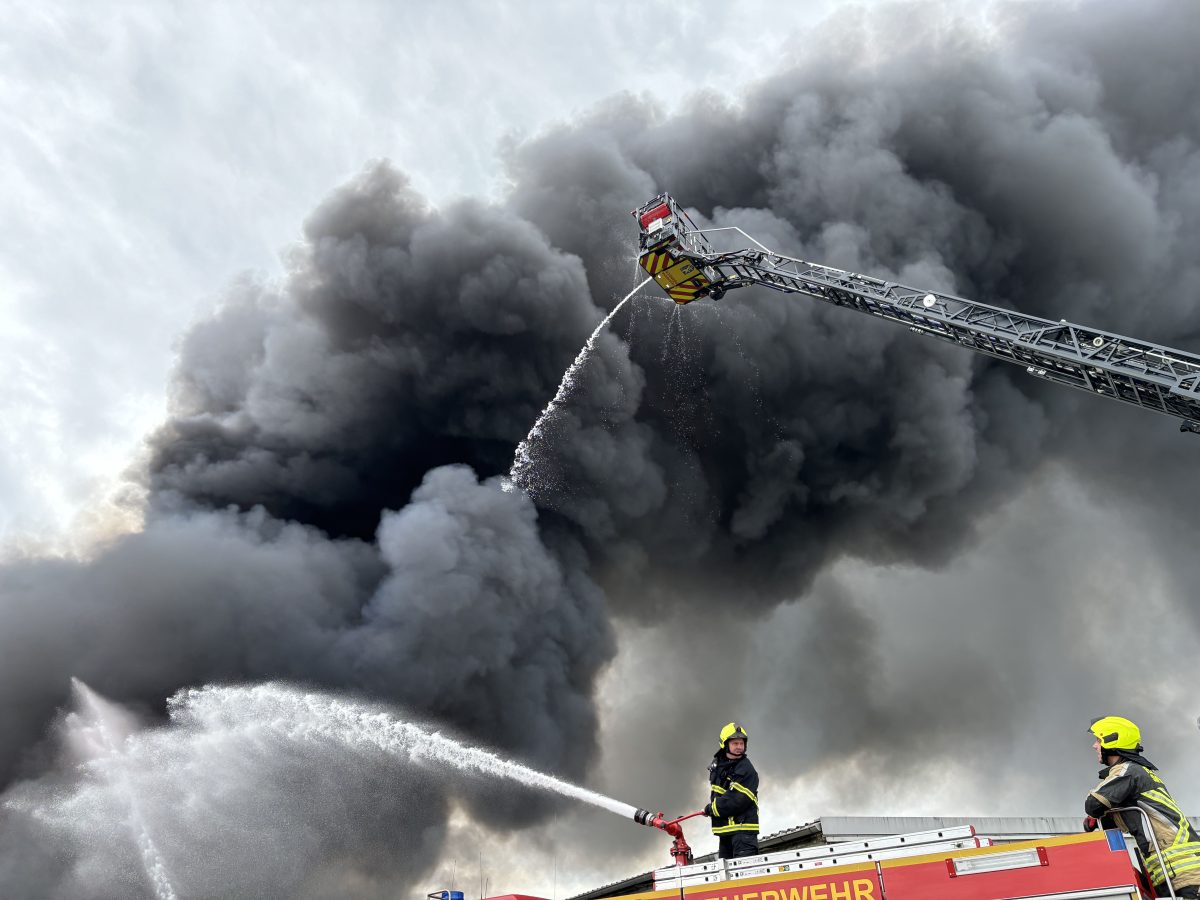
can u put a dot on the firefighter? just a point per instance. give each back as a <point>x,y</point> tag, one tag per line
<point>733,795</point>
<point>1131,780</point>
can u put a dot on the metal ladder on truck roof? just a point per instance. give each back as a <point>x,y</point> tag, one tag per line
<point>823,856</point>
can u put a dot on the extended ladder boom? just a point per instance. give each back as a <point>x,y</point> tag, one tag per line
<point>685,264</point>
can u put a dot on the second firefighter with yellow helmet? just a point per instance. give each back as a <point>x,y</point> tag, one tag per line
<point>1131,780</point>
<point>733,795</point>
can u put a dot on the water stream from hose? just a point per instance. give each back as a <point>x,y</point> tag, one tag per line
<point>308,716</point>
<point>521,473</point>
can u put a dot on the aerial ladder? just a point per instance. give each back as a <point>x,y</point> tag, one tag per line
<point>682,260</point>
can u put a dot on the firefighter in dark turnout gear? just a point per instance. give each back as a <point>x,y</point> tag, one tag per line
<point>1129,779</point>
<point>733,795</point>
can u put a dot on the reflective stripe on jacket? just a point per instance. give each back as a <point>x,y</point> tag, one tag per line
<point>733,794</point>
<point>1132,784</point>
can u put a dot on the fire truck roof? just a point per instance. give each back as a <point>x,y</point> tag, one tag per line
<point>836,829</point>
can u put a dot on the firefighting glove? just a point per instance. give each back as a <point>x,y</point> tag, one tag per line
<point>1090,823</point>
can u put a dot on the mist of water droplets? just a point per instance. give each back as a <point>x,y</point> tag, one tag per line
<point>93,724</point>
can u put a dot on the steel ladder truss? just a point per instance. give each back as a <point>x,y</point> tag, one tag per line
<point>1160,379</point>
<point>820,857</point>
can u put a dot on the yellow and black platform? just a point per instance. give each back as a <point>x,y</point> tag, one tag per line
<point>678,276</point>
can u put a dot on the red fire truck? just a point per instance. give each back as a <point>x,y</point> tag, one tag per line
<point>951,863</point>
<point>948,864</point>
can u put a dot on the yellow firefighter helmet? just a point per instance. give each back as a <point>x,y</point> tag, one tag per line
<point>731,731</point>
<point>1117,733</point>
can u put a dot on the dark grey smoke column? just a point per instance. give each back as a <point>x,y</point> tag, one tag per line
<point>711,459</point>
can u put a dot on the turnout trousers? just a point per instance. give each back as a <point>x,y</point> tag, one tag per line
<point>739,843</point>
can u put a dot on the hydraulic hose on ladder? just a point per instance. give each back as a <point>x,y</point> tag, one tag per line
<point>1153,843</point>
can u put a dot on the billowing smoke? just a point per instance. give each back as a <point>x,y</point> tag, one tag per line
<point>404,339</point>
<point>323,503</point>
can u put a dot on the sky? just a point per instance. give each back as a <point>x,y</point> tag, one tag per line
<point>282,286</point>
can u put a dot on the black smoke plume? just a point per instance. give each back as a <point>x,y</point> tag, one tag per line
<point>323,504</point>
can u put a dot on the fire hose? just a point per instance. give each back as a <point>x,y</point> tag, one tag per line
<point>680,850</point>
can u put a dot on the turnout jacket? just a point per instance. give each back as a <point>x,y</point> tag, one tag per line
<point>1130,783</point>
<point>733,794</point>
